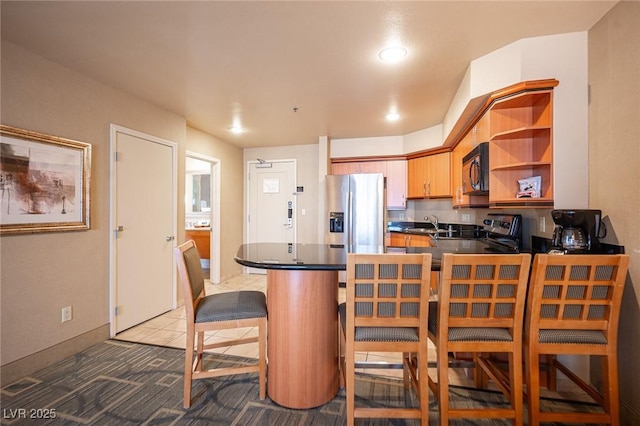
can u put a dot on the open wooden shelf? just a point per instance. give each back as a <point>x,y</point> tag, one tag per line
<point>521,146</point>
<point>521,166</point>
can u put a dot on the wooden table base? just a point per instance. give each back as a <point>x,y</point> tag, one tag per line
<point>302,337</point>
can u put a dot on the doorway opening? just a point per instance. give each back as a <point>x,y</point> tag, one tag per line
<point>202,209</point>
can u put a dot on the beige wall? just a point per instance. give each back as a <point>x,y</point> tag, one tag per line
<point>43,273</point>
<point>614,170</point>
<point>231,187</point>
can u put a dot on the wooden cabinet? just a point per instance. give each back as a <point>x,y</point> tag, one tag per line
<point>395,172</point>
<point>521,146</point>
<point>396,184</point>
<point>417,177</point>
<point>359,167</point>
<point>477,135</point>
<point>429,176</point>
<point>439,175</point>
<point>481,131</point>
<point>419,241</point>
<point>202,238</point>
<point>397,239</point>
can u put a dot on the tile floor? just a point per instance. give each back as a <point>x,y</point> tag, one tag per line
<point>169,330</point>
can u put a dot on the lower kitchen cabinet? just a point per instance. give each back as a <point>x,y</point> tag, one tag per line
<point>398,239</point>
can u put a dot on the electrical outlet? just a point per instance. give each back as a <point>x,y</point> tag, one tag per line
<point>543,224</point>
<point>401,216</point>
<point>67,314</point>
<point>466,217</point>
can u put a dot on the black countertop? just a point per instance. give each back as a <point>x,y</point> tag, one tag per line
<point>464,230</point>
<point>326,257</point>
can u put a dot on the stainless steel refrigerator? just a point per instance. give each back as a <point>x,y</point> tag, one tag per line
<point>355,210</point>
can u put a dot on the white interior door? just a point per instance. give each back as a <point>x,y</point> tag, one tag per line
<point>272,202</point>
<point>144,225</point>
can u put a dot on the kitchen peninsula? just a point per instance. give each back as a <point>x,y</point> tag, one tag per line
<point>302,301</point>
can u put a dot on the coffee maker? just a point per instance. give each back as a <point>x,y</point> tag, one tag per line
<point>576,231</point>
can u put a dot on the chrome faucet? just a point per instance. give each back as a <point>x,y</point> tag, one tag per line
<point>432,219</point>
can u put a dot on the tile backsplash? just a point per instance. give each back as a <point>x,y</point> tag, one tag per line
<point>531,218</point>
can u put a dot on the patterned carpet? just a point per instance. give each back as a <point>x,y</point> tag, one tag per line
<point>122,383</point>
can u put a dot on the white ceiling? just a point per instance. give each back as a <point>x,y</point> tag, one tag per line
<point>214,62</point>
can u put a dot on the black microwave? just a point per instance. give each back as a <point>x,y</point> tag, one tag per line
<point>475,170</point>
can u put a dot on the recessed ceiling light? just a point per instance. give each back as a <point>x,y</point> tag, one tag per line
<point>393,54</point>
<point>392,116</point>
<point>236,130</point>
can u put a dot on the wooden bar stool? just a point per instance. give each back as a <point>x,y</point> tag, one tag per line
<point>480,310</point>
<point>236,309</point>
<point>386,311</point>
<point>572,309</point>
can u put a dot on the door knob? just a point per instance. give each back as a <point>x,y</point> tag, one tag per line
<point>169,238</point>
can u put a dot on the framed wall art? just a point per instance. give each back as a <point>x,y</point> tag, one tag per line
<point>44,182</point>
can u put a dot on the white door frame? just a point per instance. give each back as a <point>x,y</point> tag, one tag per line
<point>215,213</point>
<point>114,130</point>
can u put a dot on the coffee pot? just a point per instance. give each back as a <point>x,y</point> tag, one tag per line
<point>570,238</point>
<point>576,230</point>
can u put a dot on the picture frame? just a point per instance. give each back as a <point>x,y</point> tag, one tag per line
<point>44,182</point>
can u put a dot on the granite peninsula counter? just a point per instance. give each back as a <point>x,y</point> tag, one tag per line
<point>328,257</point>
<point>302,301</point>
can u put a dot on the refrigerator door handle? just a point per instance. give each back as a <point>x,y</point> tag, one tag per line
<point>350,216</point>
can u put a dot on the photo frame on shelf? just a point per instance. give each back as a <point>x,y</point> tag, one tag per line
<point>44,182</point>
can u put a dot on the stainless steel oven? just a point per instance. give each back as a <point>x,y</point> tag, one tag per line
<point>475,170</point>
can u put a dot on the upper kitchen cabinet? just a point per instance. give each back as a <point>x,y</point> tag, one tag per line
<point>521,147</point>
<point>355,167</point>
<point>394,171</point>
<point>416,177</point>
<point>396,184</point>
<point>517,121</point>
<point>479,134</point>
<point>429,176</point>
<point>481,130</point>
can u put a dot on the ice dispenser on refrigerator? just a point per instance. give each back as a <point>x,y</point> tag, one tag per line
<point>355,209</point>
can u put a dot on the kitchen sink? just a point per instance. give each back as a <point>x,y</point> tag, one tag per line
<point>440,237</point>
<point>428,230</point>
